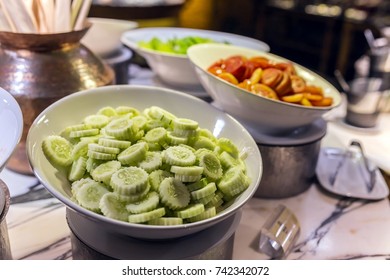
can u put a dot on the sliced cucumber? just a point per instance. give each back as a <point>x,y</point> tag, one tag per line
<point>206,214</point>
<point>190,211</point>
<point>102,149</point>
<point>96,121</point>
<point>57,150</point>
<point>113,207</point>
<point>148,203</point>
<point>77,171</point>
<point>133,154</point>
<point>147,216</point>
<point>174,194</point>
<point>104,171</point>
<point>129,180</point>
<point>205,191</point>
<point>151,162</point>
<point>114,143</point>
<point>156,177</point>
<point>90,194</point>
<point>179,155</point>
<point>166,221</point>
<point>212,167</point>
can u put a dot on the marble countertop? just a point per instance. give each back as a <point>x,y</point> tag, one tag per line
<point>332,227</point>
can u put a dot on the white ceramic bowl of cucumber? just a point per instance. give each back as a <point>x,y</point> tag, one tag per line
<point>191,129</point>
<point>164,50</point>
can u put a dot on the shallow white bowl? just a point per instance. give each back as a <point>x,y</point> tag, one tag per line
<point>104,36</point>
<point>254,111</point>
<point>11,126</point>
<point>175,69</point>
<point>53,119</point>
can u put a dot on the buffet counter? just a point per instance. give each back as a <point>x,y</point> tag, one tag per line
<point>331,226</point>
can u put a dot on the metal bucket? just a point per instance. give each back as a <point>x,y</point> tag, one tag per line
<point>5,249</point>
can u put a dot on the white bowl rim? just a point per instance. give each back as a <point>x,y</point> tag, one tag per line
<point>132,44</point>
<point>69,203</point>
<point>8,98</point>
<point>200,47</point>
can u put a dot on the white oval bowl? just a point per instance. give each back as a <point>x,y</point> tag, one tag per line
<point>11,126</point>
<point>57,116</point>
<point>104,36</point>
<point>175,69</point>
<point>254,111</point>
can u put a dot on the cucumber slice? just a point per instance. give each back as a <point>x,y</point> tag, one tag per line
<point>185,124</point>
<point>204,142</point>
<point>204,200</point>
<point>139,121</point>
<point>228,146</point>
<point>147,216</point>
<point>151,162</point>
<point>122,128</point>
<point>114,143</point>
<point>102,149</point>
<point>156,177</point>
<point>197,185</point>
<point>104,171</point>
<point>233,182</point>
<point>131,198</point>
<point>77,185</point>
<point>174,140</point>
<point>66,132</point>
<point>174,194</point>
<point>212,167</point>
<point>84,133</point>
<point>206,214</point>
<point>90,194</point>
<point>205,191</point>
<point>129,180</point>
<point>96,121</point>
<point>187,170</point>
<point>113,207</point>
<point>57,150</point>
<point>190,211</point>
<point>123,110</point>
<point>156,135</point>
<point>133,154</point>
<point>77,171</point>
<point>101,156</point>
<point>179,155</point>
<point>166,221</point>
<point>148,203</point>
<point>107,111</point>
<point>93,163</point>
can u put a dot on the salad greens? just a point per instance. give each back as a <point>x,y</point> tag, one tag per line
<point>174,45</point>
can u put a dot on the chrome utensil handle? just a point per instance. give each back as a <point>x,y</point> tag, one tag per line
<point>279,233</point>
<point>371,172</point>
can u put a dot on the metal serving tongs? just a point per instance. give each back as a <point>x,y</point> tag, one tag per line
<point>355,151</point>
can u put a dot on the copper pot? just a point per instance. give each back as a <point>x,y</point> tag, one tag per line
<point>39,69</point>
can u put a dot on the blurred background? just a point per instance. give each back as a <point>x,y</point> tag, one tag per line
<point>321,35</point>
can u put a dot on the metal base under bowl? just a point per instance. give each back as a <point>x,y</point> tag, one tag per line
<point>289,162</point>
<point>89,242</point>
<point>5,249</point>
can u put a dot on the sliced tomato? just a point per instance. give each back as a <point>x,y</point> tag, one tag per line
<point>261,61</point>
<point>236,66</point>
<point>271,77</point>
<point>263,90</point>
<point>298,84</point>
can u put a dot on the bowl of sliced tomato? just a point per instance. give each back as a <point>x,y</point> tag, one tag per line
<point>264,91</point>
